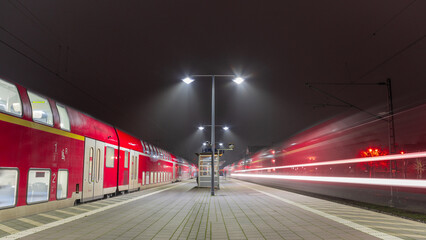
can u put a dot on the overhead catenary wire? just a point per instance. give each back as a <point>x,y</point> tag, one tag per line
<point>395,16</point>
<point>69,52</point>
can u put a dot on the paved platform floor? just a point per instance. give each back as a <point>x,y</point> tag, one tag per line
<point>240,210</point>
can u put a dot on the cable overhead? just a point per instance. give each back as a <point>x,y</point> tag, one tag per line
<point>54,73</point>
<point>393,56</point>
<point>43,27</point>
<point>393,18</point>
<point>25,44</point>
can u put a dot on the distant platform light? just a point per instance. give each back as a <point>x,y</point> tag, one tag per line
<point>200,128</point>
<point>238,80</point>
<point>187,80</point>
<point>220,144</point>
<point>225,128</point>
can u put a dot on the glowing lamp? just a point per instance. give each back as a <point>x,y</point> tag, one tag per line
<point>187,80</point>
<point>238,80</point>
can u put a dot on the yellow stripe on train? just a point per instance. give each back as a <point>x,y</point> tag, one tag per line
<point>41,127</point>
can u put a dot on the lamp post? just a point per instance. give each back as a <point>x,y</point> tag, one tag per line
<point>237,80</point>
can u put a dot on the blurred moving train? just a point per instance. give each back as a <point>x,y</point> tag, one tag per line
<point>53,156</point>
<point>348,157</point>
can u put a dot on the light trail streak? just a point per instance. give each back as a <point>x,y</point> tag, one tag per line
<point>346,161</point>
<point>366,181</point>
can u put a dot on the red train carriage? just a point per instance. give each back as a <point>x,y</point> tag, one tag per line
<point>158,166</point>
<point>100,161</point>
<point>349,158</point>
<point>43,152</point>
<point>53,156</point>
<point>129,156</point>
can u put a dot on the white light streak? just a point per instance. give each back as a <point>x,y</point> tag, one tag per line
<point>346,161</point>
<point>366,181</point>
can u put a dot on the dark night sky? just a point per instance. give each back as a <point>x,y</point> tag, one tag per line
<point>122,61</point>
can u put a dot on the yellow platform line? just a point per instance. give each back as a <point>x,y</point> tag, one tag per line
<point>388,223</point>
<point>66,212</point>
<point>32,222</point>
<point>414,236</point>
<point>83,209</point>
<point>403,229</point>
<point>50,216</point>
<point>8,229</point>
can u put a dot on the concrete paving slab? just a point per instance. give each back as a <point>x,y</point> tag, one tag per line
<point>240,210</point>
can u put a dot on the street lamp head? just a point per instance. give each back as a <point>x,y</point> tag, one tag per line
<point>238,80</point>
<point>221,144</point>
<point>200,128</point>
<point>187,80</point>
<point>225,128</point>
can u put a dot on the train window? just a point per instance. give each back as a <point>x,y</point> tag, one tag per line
<point>143,178</point>
<point>38,185</point>
<point>146,149</point>
<point>109,161</point>
<point>136,167</point>
<point>63,118</point>
<point>151,177</point>
<point>132,168</point>
<point>150,150</point>
<point>98,165</point>
<point>42,113</point>
<point>143,147</point>
<point>10,102</point>
<point>89,174</point>
<point>62,187</point>
<point>8,187</point>
<point>126,159</point>
<point>147,178</point>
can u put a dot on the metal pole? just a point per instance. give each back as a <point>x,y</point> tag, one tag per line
<point>218,172</point>
<point>391,135</point>
<point>213,139</point>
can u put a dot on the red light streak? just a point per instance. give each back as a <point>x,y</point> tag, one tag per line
<point>365,181</point>
<point>346,161</point>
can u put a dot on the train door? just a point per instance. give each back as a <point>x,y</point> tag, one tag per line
<point>174,171</point>
<point>93,169</point>
<point>99,170</point>
<point>133,170</point>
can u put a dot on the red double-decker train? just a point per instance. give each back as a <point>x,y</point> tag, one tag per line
<point>53,156</point>
<point>380,161</point>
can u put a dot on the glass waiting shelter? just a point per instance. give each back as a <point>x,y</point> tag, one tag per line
<point>204,170</point>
